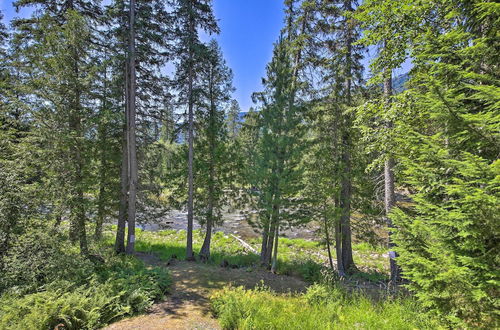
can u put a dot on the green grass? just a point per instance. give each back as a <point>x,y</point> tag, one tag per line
<point>298,257</point>
<point>169,243</point>
<point>322,307</point>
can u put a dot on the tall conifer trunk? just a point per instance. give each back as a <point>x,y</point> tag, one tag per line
<point>122,211</point>
<point>75,124</point>
<point>131,135</point>
<point>274,263</point>
<point>346,184</point>
<point>389,196</point>
<point>328,242</point>
<point>189,243</point>
<point>103,166</point>
<point>265,237</point>
<point>205,249</point>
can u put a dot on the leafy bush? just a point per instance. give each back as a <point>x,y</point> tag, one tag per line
<point>51,284</point>
<point>322,307</point>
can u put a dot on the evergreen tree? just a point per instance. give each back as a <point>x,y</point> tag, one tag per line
<point>445,135</point>
<point>391,35</point>
<point>152,34</point>
<point>447,241</point>
<point>337,56</point>
<point>107,146</point>
<point>233,119</point>
<point>277,171</point>
<point>212,163</point>
<point>59,84</point>
<point>189,17</point>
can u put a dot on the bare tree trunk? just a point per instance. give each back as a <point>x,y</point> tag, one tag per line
<point>327,236</point>
<point>102,168</point>
<point>131,139</point>
<point>205,249</point>
<point>390,197</point>
<point>270,243</point>
<point>263,249</point>
<point>78,217</point>
<point>122,212</point>
<point>346,184</point>
<point>338,245</point>
<point>189,243</point>
<point>345,201</point>
<point>275,252</point>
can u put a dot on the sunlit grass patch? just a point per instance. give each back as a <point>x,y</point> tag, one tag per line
<point>322,307</point>
<point>299,257</point>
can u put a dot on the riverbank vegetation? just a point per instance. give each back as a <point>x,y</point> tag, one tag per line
<point>49,284</point>
<point>118,112</point>
<point>321,307</point>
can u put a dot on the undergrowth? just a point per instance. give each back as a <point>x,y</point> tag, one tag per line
<point>298,257</point>
<point>321,307</point>
<point>47,283</point>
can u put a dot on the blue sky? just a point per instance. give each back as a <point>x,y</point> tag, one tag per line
<point>248,31</point>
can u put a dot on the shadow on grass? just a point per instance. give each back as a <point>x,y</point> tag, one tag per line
<point>296,257</point>
<point>166,252</point>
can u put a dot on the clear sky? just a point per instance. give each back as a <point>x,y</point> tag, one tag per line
<point>248,30</point>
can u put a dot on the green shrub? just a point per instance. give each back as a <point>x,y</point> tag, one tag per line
<point>322,307</point>
<point>37,258</point>
<point>123,288</point>
<point>448,242</point>
<point>51,283</point>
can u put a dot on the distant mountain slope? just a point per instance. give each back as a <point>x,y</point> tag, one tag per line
<point>398,83</point>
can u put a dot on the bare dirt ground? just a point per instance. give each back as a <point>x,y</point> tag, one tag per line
<point>187,305</point>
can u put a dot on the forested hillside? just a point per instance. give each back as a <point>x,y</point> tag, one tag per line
<point>358,197</point>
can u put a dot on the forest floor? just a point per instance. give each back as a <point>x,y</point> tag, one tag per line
<point>187,306</point>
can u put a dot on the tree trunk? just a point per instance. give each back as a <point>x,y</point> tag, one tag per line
<point>389,196</point>
<point>338,244</point>
<point>270,244</point>
<point>327,236</point>
<point>345,204</point>
<point>102,169</point>
<point>131,139</point>
<point>346,184</point>
<point>122,212</point>
<point>76,148</point>
<point>205,249</point>
<point>265,237</point>
<point>274,264</point>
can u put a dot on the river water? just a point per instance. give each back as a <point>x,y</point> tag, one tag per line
<point>233,223</point>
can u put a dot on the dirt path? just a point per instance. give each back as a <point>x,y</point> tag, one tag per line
<point>187,306</point>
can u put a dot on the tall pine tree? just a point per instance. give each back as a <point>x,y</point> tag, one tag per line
<point>189,17</point>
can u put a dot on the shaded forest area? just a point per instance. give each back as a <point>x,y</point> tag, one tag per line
<point>114,114</point>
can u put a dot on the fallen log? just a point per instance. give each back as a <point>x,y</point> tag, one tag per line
<point>245,244</point>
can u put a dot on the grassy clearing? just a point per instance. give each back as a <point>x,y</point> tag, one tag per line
<point>321,307</point>
<point>298,257</point>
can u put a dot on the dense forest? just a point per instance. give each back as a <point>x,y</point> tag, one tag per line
<point>115,114</point>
